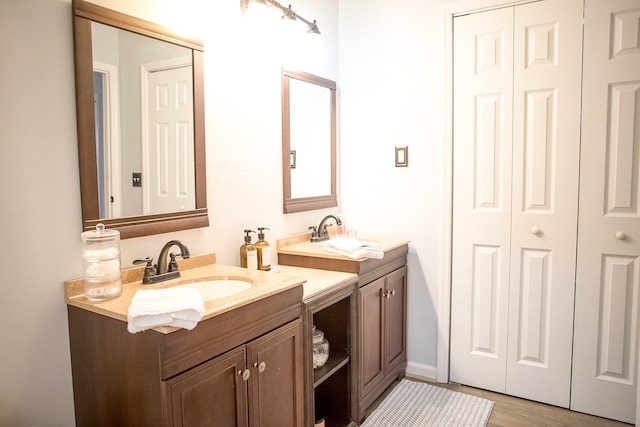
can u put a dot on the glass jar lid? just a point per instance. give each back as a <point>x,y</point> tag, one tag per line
<point>100,234</point>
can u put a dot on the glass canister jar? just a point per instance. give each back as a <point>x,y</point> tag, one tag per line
<point>320,348</point>
<point>101,259</point>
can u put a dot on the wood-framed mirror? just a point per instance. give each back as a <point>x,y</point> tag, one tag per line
<point>308,141</point>
<point>142,168</point>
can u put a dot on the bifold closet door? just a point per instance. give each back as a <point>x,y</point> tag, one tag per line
<point>606,333</point>
<point>515,185</point>
<point>482,120</point>
<point>544,213</point>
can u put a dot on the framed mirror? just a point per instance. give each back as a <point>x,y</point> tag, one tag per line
<point>308,141</point>
<point>140,118</point>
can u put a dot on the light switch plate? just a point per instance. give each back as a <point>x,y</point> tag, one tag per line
<point>402,157</point>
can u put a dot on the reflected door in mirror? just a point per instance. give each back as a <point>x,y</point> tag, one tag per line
<point>143,99</point>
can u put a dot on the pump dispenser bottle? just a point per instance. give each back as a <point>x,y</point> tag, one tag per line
<point>264,251</point>
<point>248,252</point>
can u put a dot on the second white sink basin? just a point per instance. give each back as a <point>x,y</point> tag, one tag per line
<point>219,288</point>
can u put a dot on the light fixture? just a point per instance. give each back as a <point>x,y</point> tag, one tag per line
<point>288,13</point>
<point>252,7</point>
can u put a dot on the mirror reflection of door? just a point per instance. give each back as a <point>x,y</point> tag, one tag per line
<point>107,119</point>
<point>167,140</point>
<point>132,180</point>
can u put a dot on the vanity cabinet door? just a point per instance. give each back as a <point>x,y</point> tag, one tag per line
<point>396,304</point>
<point>276,385</point>
<point>383,336</point>
<point>259,384</point>
<point>372,327</point>
<point>213,394</point>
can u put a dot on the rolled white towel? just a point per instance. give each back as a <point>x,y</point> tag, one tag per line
<point>354,248</point>
<point>179,307</point>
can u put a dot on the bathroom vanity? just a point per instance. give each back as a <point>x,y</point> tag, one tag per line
<point>241,365</point>
<point>249,360</point>
<point>378,355</point>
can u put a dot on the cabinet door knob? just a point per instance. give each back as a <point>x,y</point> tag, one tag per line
<point>393,293</point>
<point>261,367</point>
<point>620,235</point>
<point>245,374</point>
<point>535,230</point>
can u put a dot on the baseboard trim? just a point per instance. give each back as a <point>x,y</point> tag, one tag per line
<point>421,371</point>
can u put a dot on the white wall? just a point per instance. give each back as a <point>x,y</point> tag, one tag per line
<point>389,82</point>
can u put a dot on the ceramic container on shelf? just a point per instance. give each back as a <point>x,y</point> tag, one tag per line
<point>320,348</point>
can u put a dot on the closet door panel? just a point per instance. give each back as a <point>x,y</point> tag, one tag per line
<point>606,334</point>
<point>546,144</point>
<point>482,197</point>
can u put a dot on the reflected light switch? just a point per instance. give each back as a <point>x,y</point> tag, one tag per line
<point>402,156</point>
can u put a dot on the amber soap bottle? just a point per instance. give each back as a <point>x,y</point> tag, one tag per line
<point>248,252</point>
<point>264,251</point>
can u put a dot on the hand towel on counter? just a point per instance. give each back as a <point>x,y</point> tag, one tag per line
<point>178,307</point>
<point>354,248</point>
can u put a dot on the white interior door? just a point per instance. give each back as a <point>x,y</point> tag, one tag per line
<point>516,152</point>
<point>546,150</point>
<point>608,277</point>
<point>169,168</point>
<point>482,120</point>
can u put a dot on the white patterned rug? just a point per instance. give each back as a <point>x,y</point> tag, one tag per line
<point>413,404</point>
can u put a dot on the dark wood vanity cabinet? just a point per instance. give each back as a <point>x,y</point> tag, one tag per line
<point>240,368</point>
<point>381,334</point>
<point>257,384</point>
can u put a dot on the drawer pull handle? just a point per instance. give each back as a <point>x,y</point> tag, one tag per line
<point>620,235</point>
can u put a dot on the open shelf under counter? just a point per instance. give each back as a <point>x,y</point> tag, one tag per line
<point>329,304</point>
<point>337,359</point>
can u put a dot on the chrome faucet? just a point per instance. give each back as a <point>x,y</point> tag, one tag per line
<point>321,233</point>
<point>164,270</point>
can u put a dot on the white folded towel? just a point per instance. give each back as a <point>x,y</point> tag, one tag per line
<point>354,248</point>
<point>180,307</point>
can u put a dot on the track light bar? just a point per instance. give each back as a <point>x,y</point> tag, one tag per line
<point>287,13</point>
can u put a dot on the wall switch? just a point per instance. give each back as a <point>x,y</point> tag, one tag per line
<point>402,157</point>
<point>136,179</point>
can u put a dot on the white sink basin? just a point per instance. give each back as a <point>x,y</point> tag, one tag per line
<point>220,287</point>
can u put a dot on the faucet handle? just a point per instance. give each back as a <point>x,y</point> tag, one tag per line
<point>314,231</point>
<point>149,269</point>
<point>173,264</point>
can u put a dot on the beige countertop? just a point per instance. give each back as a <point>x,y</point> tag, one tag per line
<point>301,245</point>
<point>317,281</point>
<point>200,267</point>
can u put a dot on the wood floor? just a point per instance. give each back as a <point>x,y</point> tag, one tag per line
<point>511,411</point>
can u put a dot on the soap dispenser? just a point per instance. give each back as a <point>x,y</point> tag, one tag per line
<point>264,251</point>
<point>248,252</point>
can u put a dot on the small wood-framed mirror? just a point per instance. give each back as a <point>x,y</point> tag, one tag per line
<point>308,141</point>
<point>157,159</point>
